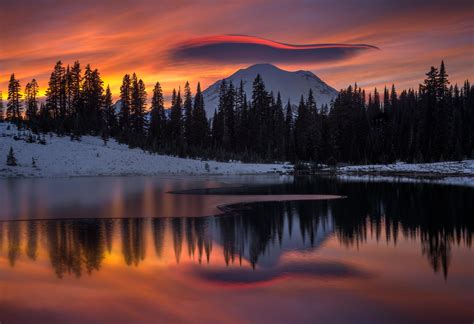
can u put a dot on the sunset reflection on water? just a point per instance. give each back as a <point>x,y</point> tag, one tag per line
<point>335,260</point>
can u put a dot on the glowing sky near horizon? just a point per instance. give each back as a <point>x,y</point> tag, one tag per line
<point>174,41</point>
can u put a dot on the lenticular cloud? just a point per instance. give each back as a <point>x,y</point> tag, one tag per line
<point>244,49</point>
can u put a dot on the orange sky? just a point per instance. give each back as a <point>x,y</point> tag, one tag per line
<point>124,36</point>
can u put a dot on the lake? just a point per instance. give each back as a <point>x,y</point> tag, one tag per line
<point>276,249</point>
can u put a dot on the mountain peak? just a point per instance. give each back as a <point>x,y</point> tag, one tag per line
<point>262,66</point>
<point>291,85</point>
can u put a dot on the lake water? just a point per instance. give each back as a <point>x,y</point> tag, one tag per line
<point>138,249</point>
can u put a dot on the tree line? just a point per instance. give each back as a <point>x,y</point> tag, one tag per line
<point>433,123</point>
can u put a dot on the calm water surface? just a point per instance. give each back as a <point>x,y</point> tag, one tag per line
<point>137,249</point>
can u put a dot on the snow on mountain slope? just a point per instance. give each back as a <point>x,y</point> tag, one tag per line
<point>291,85</point>
<point>61,157</point>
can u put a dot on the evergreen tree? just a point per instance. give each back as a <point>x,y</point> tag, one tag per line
<point>278,131</point>
<point>289,134</point>
<point>31,102</point>
<point>259,118</point>
<point>188,115</point>
<point>200,134</point>
<point>11,160</point>
<point>73,95</point>
<point>176,123</point>
<point>137,111</point>
<point>228,137</point>
<point>2,113</point>
<point>303,145</point>
<point>109,120</point>
<point>124,113</point>
<point>156,133</point>
<point>92,96</point>
<point>53,93</point>
<point>14,107</point>
<point>240,116</point>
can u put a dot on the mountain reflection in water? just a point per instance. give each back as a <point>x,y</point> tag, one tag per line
<point>109,250</point>
<point>258,233</point>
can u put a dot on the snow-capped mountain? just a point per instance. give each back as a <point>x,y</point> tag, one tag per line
<point>291,85</point>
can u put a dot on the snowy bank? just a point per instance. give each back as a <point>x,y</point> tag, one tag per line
<point>461,168</point>
<point>61,157</point>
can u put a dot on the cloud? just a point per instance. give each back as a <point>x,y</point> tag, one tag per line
<point>252,277</point>
<point>249,49</point>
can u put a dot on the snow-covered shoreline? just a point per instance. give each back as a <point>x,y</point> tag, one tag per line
<point>445,173</point>
<point>437,169</point>
<point>61,157</point>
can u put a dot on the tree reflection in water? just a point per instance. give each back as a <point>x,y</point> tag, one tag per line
<point>434,216</point>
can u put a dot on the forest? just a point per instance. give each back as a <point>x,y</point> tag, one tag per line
<point>432,123</point>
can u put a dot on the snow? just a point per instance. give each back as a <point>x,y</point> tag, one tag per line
<point>61,157</point>
<point>465,168</point>
<point>467,181</point>
<point>291,85</point>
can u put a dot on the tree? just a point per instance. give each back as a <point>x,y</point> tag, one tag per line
<point>54,88</point>
<point>289,135</point>
<point>14,107</point>
<point>188,115</point>
<point>11,160</point>
<point>31,101</point>
<point>109,119</point>
<point>259,118</point>
<point>74,95</point>
<point>156,133</point>
<point>176,122</point>
<point>137,111</point>
<point>200,133</point>
<point>241,116</point>
<point>124,113</point>
<point>2,116</point>
<point>278,130</point>
<point>302,132</point>
<point>92,96</point>
<point>228,136</point>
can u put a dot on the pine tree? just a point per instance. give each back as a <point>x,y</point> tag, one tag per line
<point>2,116</point>
<point>427,113</point>
<point>156,133</point>
<point>176,122</point>
<point>289,135</point>
<point>188,115</point>
<point>259,118</point>
<point>228,138</point>
<point>14,107</point>
<point>314,128</point>
<point>92,96</point>
<point>301,131</point>
<point>124,113</point>
<point>200,134</point>
<point>74,89</point>
<point>240,127</point>
<point>278,133</point>
<point>53,93</point>
<point>109,119</point>
<point>11,160</point>
<point>137,111</point>
<point>442,82</point>
<point>31,101</point>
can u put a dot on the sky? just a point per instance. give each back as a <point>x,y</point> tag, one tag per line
<point>373,43</point>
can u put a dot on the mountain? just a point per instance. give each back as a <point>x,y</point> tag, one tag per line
<point>291,85</point>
